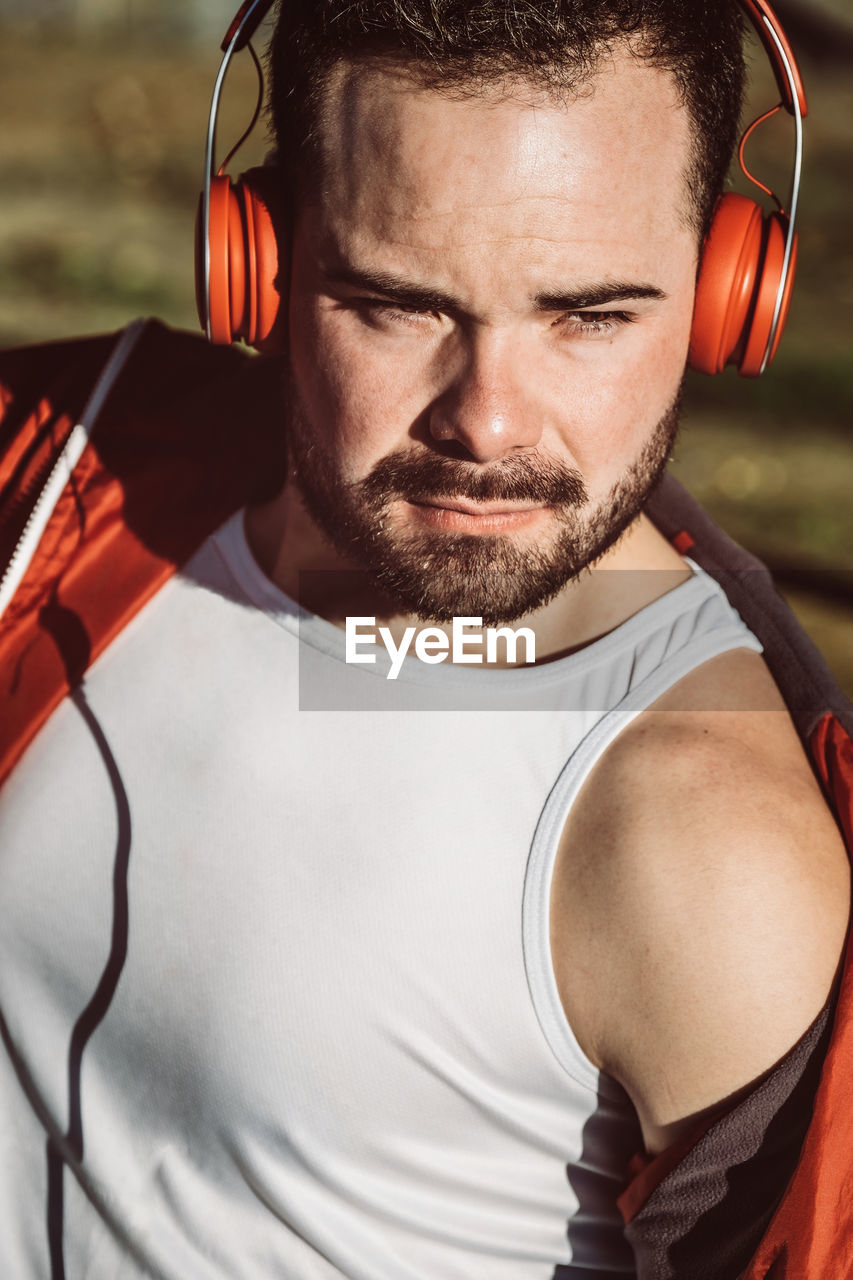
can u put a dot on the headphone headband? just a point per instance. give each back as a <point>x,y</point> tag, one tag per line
<point>747,301</point>
<point>787,75</point>
<point>245,23</point>
<point>780,53</point>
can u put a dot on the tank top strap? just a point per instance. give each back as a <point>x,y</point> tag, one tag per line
<point>706,629</point>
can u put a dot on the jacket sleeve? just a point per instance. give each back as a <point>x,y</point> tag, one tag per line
<point>702,1215</point>
<point>187,434</point>
<point>809,1236</point>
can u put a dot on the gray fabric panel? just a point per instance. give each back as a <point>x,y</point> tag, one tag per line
<point>706,1218</point>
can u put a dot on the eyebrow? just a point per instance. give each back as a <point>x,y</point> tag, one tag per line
<point>426,298</point>
<point>421,297</point>
<point>597,295</point>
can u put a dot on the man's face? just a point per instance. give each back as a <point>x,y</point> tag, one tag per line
<point>490,313</point>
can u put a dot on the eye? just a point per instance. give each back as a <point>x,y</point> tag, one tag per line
<point>595,324</point>
<point>380,311</point>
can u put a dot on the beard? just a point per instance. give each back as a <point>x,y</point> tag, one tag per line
<point>438,575</point>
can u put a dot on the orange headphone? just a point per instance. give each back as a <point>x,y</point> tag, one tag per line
<point>746,275</point>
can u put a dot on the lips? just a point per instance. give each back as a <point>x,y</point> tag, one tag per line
<point>463,515</point>
<point>468,507</point>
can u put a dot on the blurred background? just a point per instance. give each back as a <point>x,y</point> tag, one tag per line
<point>104,107</point>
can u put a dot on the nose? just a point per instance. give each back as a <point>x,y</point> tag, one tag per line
<point>489,406</point>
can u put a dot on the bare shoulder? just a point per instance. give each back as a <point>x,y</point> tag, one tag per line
<point>700,898</point>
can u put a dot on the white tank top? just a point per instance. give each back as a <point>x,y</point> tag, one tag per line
<point>329,1042</point>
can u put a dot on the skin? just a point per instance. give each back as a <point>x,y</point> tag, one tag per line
<point>701,893</point>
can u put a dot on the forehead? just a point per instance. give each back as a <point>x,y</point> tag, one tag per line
<point>415,169</point>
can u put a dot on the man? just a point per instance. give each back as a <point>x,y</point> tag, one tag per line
<point>401,994</point>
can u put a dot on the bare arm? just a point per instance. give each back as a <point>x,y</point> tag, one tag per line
<point>700,900</point>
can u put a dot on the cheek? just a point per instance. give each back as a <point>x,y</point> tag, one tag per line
<point>359,402</point>
<point>621,405</point>
<point>618,408</point>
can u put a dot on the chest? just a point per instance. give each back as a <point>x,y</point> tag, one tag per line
<point>312,925</point>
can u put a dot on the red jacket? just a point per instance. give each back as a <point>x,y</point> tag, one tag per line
<point>190,433</point>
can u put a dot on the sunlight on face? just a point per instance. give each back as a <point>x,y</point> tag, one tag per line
<point>490,314</point>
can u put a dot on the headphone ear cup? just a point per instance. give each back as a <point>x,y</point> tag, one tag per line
<point>765,301</point>
<point>243,298</point>
<point>726,286</point>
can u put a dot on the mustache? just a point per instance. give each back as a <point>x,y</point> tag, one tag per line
<point>526,478</point>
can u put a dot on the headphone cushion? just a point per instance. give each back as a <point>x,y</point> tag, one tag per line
<point>727,282</point>
<point>765,302</point>
<point>262,199</point>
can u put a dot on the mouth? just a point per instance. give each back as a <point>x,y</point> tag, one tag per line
<point>463,515</point>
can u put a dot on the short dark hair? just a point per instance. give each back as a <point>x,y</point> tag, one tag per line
<point>555,44</point>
